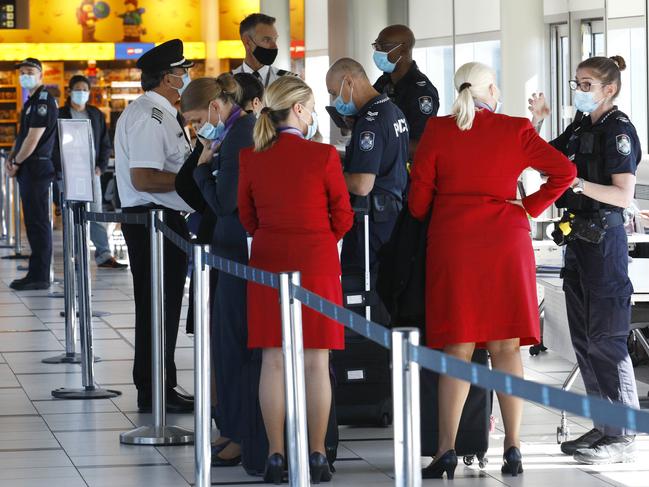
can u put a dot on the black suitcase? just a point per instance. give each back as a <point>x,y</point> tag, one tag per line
<point>473,434</point>
<point>254,443</point>
<point>362,370</point>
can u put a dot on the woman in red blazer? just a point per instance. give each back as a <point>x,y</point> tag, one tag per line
<point>480,269</point>
<point>294,202</point>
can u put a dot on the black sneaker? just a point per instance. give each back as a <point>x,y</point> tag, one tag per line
<point>29,285</point>
<point>584,441</point>
<point>112,264</point>
<point>608,449</point>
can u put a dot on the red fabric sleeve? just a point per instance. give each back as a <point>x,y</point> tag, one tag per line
<point>245,200</point>
<point>342,215</point>
<point>544,158</point>
<point>422,175</point>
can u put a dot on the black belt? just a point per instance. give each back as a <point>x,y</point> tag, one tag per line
<point>603,218</point>
<point>146,208</point>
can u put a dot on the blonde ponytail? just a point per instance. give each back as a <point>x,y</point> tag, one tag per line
<point>279,99</point>
<point>473,82</point>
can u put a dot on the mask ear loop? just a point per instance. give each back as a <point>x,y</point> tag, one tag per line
<point>398,45</point>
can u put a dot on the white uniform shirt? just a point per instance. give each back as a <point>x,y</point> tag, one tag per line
<point>267,74</point>
<point>148,135</point>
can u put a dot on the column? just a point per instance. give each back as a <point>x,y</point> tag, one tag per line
<point>210,35</point>
<point>280,9</point>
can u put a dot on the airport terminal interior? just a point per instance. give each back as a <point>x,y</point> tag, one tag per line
<point>532,45</point>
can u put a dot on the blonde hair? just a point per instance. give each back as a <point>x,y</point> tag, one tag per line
<point>472,81</point>
<point>201,91</point>
<point>280,97</point>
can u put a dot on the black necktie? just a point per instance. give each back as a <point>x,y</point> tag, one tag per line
<point>257,75</point>
<point>181,122</point>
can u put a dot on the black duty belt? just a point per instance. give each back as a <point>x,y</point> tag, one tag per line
<point>603,218</point>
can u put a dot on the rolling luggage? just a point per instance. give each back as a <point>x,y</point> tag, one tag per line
<point>473,434</point>
<point>254,443</point>
<point>362,370</point>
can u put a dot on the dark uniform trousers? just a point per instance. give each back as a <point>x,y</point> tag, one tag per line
<point>34,194</point>
<point>175,273</point>
<point>598,302</point>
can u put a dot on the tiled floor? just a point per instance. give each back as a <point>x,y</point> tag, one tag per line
<point>69,443</point>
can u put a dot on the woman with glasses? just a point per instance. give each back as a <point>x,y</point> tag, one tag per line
<point>603,144</point>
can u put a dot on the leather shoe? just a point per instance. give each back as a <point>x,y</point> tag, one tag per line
<point>28,285</point>
<point>176,404</point>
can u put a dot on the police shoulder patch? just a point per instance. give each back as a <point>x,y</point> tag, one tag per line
<point>157,114</point>
<point>366,141</point>
<point>43,96</point>
<point>623,144</point>
<point>41,110</point>
<point>426,105</point>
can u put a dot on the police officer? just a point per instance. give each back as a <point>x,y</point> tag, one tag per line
<point>150,148</point>
<point>603,143</point>
<point>402,81</point>
<point>30,161</point>
<point>375,159</point>
<point>259,37</point>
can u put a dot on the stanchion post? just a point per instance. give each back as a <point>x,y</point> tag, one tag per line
<point>202,366</point>
<point>293,349</point>
<point>405,399</point>
<point>3,195</point>
<point>9,213</point>
<point>50,199</point>
<point>18,247</point>
<point>160,433</point>
<point>70,291</point>
<point>89,389</point>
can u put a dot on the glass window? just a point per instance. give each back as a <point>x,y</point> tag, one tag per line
<point>437,63</point>
<point>487,52</point>
<point>316,68</point>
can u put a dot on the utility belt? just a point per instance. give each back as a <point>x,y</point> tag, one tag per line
<point>381,207</point>
<point>590,227</point>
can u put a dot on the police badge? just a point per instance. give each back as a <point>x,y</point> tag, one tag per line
<point>367,141</point>
<point>41,110</point>
<point>623,144</point>
<point>426,105</point>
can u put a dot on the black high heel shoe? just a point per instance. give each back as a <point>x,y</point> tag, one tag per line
<point>319,466</point>
<point>512,462</point>
<point>445,463</point>
<point>274,471</point>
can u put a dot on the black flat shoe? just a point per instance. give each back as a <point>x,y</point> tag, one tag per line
<point>512,462</point>
<point>216,449</point>
<point>274,471</point>
<point>175,403</point>
<point>217,461</point>
<point>319,466</point>
<point>446,463</point>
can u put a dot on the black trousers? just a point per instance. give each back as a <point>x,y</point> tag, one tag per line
<point>34,194</point>
<point>175,273</point>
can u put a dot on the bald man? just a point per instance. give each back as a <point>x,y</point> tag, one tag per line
<point>375,160</point>
<point>402,81</point>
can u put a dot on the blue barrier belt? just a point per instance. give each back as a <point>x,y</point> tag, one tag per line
<point>173,237</point>
<point>128,218</point>
<point>245,272</point>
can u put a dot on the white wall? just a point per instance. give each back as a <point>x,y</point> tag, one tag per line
<point>625,8</point>
<point>555,7</point>
<point>315,25</point>
<point>431,19</point>
<point>473,16</point>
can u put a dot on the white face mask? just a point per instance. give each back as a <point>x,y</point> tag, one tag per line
<point>312,128</point>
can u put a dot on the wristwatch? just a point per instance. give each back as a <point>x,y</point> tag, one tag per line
<point>579,187</point>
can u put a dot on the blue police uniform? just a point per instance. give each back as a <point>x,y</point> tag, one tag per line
<point>595,276</point>
<point>34,177</point>
<point>415,95</point>
<point>379,146</point>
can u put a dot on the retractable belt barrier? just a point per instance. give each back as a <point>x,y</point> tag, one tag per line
<point>404,343</point>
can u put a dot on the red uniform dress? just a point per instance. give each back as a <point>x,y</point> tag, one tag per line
<point>294,202</point>
<point>480,269</point>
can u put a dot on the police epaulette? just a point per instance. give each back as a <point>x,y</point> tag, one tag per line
<point>157,114</point>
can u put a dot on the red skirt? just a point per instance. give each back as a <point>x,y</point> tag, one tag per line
<point>264,316</point>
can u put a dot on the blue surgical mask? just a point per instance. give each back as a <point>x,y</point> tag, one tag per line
<point>28,81</point>
<point>312,128</point>
<point>79,97</point>
<point>346,109</point>
<point>186,79</point>
<point>585,102</point>
<point>208,130</point>
<point>383,63</point>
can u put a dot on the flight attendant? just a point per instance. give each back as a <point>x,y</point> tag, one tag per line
<point>480,288</point>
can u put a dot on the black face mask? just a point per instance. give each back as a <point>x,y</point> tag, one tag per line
<point>264,55</point>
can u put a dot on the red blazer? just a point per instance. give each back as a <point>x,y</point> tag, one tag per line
<point>294,201</point>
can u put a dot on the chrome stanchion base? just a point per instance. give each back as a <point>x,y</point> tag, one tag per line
<point>56,294</point>
<point>95,314</point>
<point>85,393</point>
<point>65,358</point>
<point>150,435</point>
<point>15,257</point>
<point>22,267</point>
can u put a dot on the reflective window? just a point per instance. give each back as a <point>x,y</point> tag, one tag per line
<point>437,63</point>
<point>316,68</point>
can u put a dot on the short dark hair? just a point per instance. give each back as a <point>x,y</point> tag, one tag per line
<point>78,78</point>
<point>253,20</point>
<point>150,81</point>
<point>251,88</point>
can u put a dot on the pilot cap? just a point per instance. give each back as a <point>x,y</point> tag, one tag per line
<point>166,56</point>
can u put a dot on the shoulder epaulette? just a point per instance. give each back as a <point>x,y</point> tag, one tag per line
<point>43,95</point>
<point>157,114</point>
<point>283,72</point>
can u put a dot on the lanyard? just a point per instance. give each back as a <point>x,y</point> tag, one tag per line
<point>233,117</point>
<point>290,130</point>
